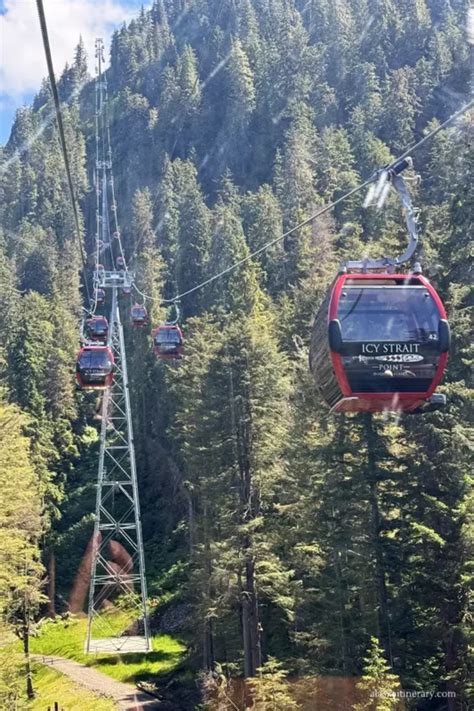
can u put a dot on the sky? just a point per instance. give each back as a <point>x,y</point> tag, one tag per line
<point>22,60</point>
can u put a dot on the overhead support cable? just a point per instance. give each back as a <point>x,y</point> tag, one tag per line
<point>62,138</point>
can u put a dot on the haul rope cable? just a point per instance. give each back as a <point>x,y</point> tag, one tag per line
<point>59,119</point>
<point>111,175</point>
<point>104,178</point>
<point>103,175</point>
<point>97,191</point>
<point>100,188</point>
<point>106,162</point>
<point>317,214</point>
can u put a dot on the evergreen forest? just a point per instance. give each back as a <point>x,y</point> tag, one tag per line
<point>281,542</point>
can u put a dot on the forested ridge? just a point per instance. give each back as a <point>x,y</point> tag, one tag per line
<point>275,533</point>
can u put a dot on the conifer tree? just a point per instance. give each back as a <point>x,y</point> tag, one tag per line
<point>270,690</point>
<point>180,101</point>
<point>378,685</point>
<point>240,106</point>
<point>193,235</point>
<point>228,246</point>
<point>20,531</point>
<point>161,37</point>
<point>262,223</point>
<point>167,223</point>
<point>79,67</point>
<point>398,123</point>
<point>294,186</point>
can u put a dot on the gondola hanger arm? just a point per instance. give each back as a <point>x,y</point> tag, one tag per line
<point>390,177</point>
<point>173,322</point>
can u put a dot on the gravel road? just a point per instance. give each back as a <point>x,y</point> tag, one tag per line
<point>126,696</point>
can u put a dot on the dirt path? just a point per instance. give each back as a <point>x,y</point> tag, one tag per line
<point>126,696</point>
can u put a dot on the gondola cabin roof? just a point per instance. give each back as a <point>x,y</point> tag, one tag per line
<point>379,342</point>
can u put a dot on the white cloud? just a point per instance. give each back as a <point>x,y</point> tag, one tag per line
<point>23,63</point>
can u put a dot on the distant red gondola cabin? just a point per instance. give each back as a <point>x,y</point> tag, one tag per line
<point>100,296</point>
<point>97,329</point>
<point>95,367</point>
<point>139,315</point>
<point>379,342</point>
<point>168,342</point>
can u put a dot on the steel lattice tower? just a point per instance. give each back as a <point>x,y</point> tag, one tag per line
<point>117,519</point>
<point>118,566</point>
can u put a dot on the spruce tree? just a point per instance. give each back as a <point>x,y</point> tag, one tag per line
<point>377,686</point>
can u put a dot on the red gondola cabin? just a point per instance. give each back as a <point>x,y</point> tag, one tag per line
<point>380,342</point>
<point>139,315</point>
<point>95,367</point>
<point>168,342</point>
<point>97,329</point>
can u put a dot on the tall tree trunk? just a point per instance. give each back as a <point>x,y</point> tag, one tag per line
<point>51,583</point>
<point>250,508</point>
<point>189,497</point>
<point>382,604</point>
<point>26,650</point>
<point>208,645</point>
<point>342,615</point>
<point>246,637</point>
<point>208,635</point>
<point>250,613</point>
<point>254,621</point>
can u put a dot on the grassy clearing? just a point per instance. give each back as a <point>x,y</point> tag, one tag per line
<point>50,686</point>
<point>65,638</point>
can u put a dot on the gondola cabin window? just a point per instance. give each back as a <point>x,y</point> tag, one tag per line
<point>95,359</point>
<point>381,313</point>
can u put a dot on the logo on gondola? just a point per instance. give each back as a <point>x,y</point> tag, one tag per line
<point>401,358</point>
<point>378,349</point>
